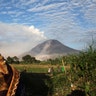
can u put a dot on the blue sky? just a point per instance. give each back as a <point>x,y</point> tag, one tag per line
<point>26,23</point>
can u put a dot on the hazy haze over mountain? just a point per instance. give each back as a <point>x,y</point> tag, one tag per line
<point>50,49</point>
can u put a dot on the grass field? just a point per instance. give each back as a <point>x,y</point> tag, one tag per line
<point>36,68</point>
<point>33,68</point>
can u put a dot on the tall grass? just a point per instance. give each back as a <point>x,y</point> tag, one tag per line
<point>83,71</point>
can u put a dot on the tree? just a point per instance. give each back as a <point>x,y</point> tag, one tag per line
<point>10,60</point>
<point>29,59</point>
<point>16,59</point>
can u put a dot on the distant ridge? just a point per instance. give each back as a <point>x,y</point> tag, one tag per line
<point>50,49</point>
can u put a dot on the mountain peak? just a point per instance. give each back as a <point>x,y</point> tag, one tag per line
<point>50,49</point>
<point>51,41</point>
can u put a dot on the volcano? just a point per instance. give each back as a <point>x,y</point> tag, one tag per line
<point>50,49</point>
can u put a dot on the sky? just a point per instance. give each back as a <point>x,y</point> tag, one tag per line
<point>26,23</point>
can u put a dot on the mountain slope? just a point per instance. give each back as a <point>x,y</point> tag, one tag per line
<point>50,49</point>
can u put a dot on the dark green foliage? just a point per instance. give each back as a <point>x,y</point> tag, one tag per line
<point>55,61</point>
<point>61,84</point>
<point>29,60</point>
<point>16,60</point>
<point>12,60</point>
<point>83,70</point>
<point>9,60</point>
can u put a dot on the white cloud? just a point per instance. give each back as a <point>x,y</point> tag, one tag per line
<point>94,1</point>
<point>45,7</point>
<point>16,39</point>
<point>36,31</point>
<point>28,2</point>
<point>90,13</point>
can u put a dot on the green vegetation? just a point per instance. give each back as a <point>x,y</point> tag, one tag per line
<point>83,71</point>
<point>31,68</point>
<point>79,75</point>
<point>27,59</point>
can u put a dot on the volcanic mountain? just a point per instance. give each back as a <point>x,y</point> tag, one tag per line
<point>50,49</point>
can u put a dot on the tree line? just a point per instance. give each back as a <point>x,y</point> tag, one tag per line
<point>27,59</point>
